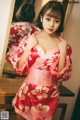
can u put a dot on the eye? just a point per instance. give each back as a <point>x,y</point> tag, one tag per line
<point>48,19</point>
<point>57,21</point>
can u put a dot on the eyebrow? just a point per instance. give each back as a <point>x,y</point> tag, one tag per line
<point>48,15</point>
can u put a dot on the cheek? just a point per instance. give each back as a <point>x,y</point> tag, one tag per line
<point>57,26</point>
<point>44,24</point>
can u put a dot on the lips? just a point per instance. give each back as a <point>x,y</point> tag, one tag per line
<point>50,29</point>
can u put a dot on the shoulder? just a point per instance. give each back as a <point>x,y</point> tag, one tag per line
<point>63,40</point>
<point>68,45</point>
<point>69,48</point>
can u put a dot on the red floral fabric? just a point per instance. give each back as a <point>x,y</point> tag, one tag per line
<point>17,31</point>
<point>36,102</point>
<point>37,97</point>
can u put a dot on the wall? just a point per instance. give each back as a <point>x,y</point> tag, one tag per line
<point>6,11</point>
<point>39,4</point>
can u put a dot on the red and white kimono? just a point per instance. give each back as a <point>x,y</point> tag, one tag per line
<point>38,95</point>
<point>17,31</point>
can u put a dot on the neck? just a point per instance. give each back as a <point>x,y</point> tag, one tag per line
<point>48,35</point>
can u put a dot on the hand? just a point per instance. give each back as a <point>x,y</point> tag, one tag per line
<point>31,42</point>
<point>62,46</point>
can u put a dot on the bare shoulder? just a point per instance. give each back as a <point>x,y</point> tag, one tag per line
<point>64,41</point>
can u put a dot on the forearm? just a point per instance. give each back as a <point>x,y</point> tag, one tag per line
<point>24,57</point>
<point>62,61</point>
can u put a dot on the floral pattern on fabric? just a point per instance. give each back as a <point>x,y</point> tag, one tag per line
<point>32,105</point>
<point>40,92</point>
<point>48,62</point>
<point>37,97</point>
<point>18,31</point>
<point>65,74</point>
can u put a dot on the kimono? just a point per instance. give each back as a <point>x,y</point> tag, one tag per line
<point>37,97</point>
<point>17,31</point>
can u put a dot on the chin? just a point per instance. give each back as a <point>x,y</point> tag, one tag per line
<point>50,32</point>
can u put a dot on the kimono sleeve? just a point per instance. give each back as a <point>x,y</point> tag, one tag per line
<point>65,73</point>
<point>17,32</point>
<point>17,55</point>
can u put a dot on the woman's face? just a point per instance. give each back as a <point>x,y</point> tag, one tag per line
<point>50,24</point>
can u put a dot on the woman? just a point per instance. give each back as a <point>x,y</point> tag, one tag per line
<point>45,58</point>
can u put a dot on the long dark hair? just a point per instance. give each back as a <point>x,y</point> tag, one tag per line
<point>56,10</point>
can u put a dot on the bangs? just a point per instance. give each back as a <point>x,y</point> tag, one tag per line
<point>54,13</point>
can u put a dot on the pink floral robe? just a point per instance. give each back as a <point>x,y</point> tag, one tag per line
<point>37,97</point>
<point>17,31</point>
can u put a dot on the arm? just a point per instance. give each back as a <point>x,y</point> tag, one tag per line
<point>62,69</point>
<point>30,44</point>
<point>20,59</point>
<point>63,50</point>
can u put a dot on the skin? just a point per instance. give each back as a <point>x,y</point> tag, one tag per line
<point>50,24</point>
<point>51,41</point>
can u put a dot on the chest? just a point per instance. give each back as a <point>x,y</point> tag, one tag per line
<point>47,45</point>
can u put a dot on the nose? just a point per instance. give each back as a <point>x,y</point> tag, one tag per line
<point>51,23</point>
